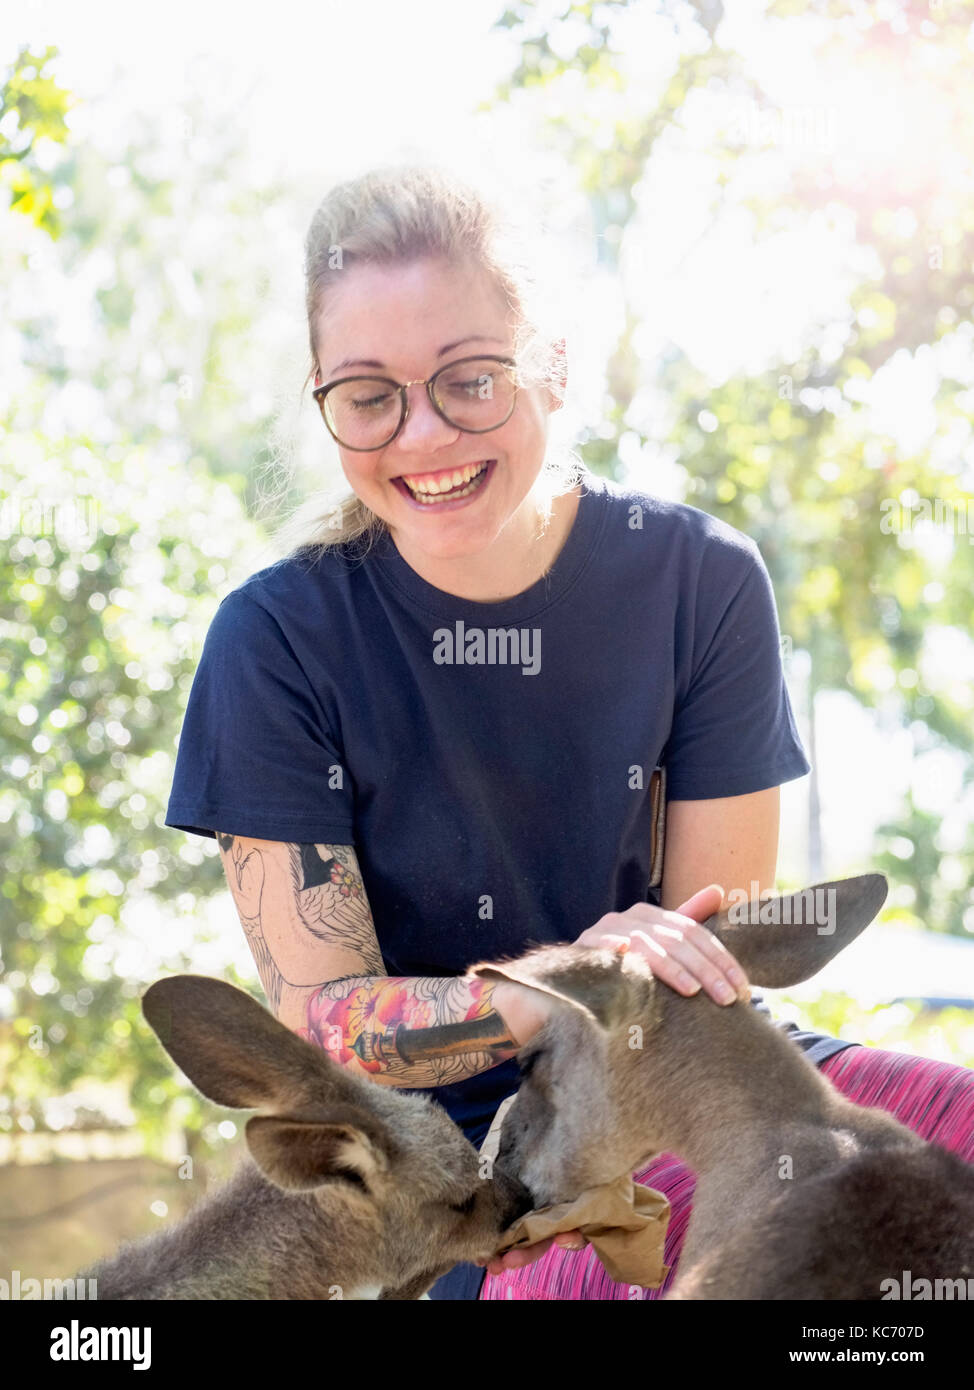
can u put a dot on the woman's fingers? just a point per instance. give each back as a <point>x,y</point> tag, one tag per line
<point>680,950</point>
<point>704,903</point>
<point>527,1254</point>
<point>612,942</point>
<point>687,960</point>
<point>517,1259</point>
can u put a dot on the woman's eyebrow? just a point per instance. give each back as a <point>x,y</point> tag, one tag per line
<point>371,362</point>
<point>474,338</point>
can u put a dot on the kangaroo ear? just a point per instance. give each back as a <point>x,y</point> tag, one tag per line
<point>781,941</point>
<point>235,1051</point>
<point>589,980</point>
<point>300,1156</point>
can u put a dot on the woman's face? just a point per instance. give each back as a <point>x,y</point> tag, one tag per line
<point>404,322</point>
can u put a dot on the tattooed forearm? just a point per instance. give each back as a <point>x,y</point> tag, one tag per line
<point>301,898</point>
<point>245,873</point>
<point>307,920</point>
<point>410,1031</point>
<point>332,900</point>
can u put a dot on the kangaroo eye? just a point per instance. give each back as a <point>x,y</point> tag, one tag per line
<point>465,1208</point>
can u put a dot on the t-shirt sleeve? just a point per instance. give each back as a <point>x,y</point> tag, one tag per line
<point>733,729</point>
<point>255,755</point>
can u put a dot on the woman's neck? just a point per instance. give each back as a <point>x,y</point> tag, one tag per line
<point>518,558</point>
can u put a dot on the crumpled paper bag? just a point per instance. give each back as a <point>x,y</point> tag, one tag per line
<point>623,1221</point>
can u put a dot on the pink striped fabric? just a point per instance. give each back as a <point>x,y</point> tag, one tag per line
<point>936,1099</point>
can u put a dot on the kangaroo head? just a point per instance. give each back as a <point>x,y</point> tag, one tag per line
<point>591,1105</point>
<point>396,1159</point>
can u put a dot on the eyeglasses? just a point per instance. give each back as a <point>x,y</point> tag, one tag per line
<point>473,394</point>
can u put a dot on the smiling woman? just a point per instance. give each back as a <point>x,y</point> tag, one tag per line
<point>392,808</point>
<point>461,517</point>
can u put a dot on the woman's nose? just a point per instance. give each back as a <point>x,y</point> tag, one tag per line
<point>423,429</point>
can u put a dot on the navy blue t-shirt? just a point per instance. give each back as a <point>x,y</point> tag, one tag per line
<point>491,762</point>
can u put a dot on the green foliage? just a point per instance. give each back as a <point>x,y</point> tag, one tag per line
<point>131,423</point>
<point>906,1026</point>
<point>911,850</point>
<point>789,455</point>
<point>32,111</point>
<point>113,564</point>
<point>174,261</point>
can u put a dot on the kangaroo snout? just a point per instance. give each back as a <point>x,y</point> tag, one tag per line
<point>514,1199</point>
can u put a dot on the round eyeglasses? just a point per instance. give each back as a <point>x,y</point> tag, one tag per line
<point>474,394</point>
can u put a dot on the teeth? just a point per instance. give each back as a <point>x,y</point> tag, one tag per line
<point>442,482</point>
<point>462,481</point>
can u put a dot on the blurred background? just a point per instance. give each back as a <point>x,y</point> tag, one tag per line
<point>763,221</point>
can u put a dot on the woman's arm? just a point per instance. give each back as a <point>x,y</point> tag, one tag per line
<point>730,840</point>
<point>310,930</point>
<point>713,848</point>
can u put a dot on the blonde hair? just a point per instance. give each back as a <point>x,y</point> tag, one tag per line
<point>398,215</point>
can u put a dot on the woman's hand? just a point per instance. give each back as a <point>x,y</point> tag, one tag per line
<point>527,1254</point>
<point>680,951</point>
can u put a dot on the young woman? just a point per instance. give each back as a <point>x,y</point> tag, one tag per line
<point>428,736</point>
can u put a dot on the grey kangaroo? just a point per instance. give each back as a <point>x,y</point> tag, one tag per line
<point>801,1194</point>
<point>351,1190</point>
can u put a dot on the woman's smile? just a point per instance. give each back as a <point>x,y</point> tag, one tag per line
<point>462,511</point>
<point>446,489</point>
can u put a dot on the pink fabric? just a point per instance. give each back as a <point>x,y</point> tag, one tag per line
<point>935,1099</point>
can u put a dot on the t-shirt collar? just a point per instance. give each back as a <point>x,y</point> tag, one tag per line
<point>549,589</point>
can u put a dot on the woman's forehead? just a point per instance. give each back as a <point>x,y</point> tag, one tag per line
<point>424,305</point>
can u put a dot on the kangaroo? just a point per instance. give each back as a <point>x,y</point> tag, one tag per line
<point>351,1189</point>
<point>801,1194</point>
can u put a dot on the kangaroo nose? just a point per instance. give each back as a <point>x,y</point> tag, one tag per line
<point>519,1200</point>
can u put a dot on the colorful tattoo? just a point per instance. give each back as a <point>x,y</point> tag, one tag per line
<point>428,1031</point>
<point>441,1030</point>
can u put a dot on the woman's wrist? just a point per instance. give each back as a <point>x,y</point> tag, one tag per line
<point>523,1010</point>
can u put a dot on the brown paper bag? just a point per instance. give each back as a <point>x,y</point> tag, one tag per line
<point>623,1221</point>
